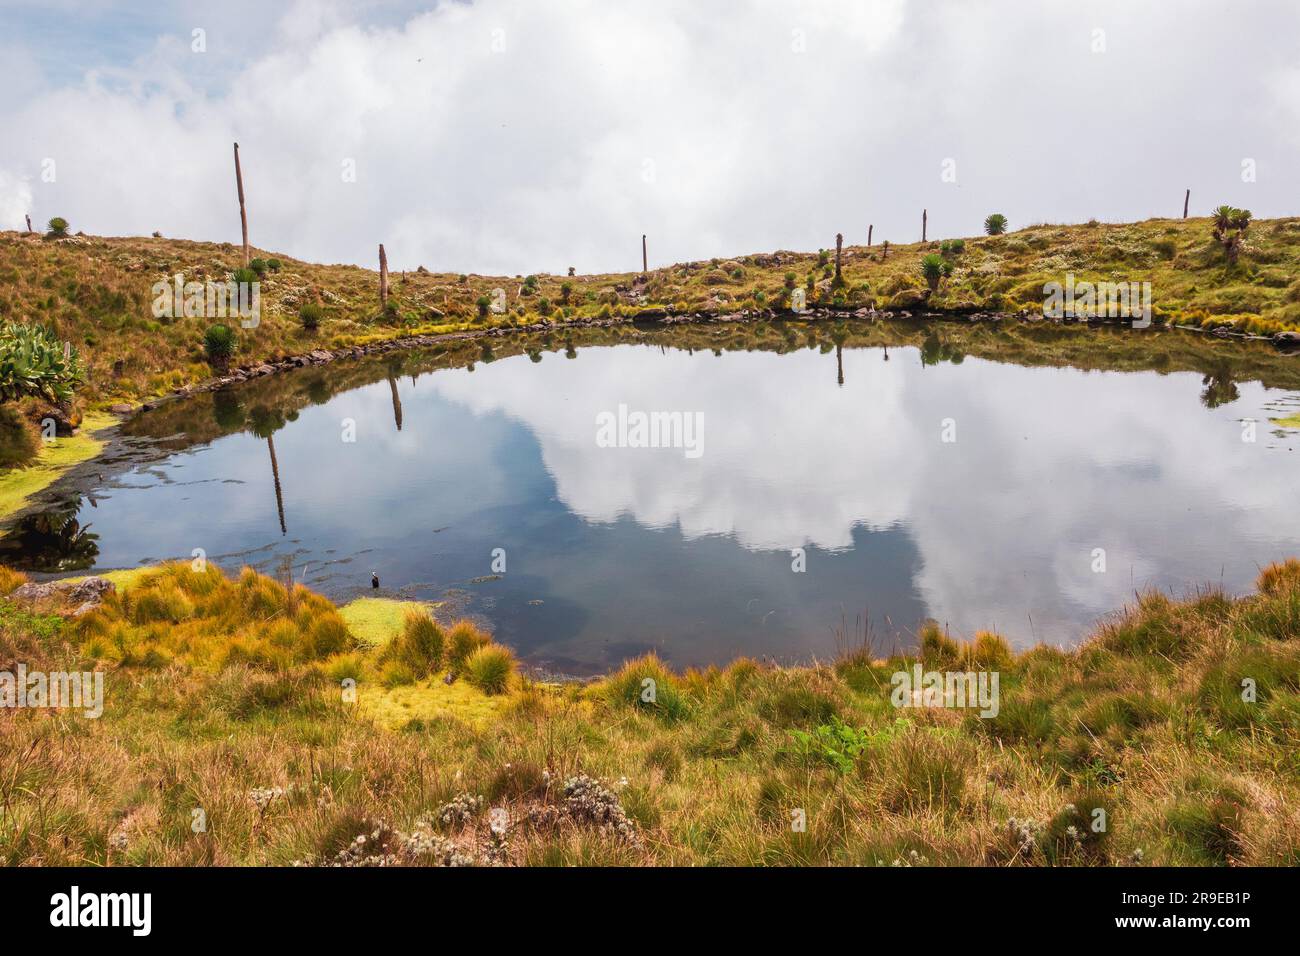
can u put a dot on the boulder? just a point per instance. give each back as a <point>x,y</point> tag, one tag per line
<point>1286,338</point>
<point>87,593</point>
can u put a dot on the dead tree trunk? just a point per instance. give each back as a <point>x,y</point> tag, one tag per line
<point>925,215</point>
<point>870,230</point>
<point>383,279</point>
<point>29,223</point>
<point>885,251</point>
<point>1187,198</point>
<point>839,251</point>
<point>243,212</point>
<point>645,261</point>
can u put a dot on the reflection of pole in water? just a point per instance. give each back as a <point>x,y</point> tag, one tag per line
<point>397,403</point>
<point>275,475</point>
<point>839,361</point>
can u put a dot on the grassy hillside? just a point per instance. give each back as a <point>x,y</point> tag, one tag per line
<point>228,696</point>
<point>98,291</point>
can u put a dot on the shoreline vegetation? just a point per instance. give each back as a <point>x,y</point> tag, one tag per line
<point>98,295</point>
<point>99,292</point>
<point>300,733</point>
<point>380,733</point>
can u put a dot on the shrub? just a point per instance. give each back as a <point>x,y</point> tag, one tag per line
<point>10,579</point>
<point>206,620</point>
<point>646,684</point>
<point>420,645</point>
<point>836,744</point>
<point>1230,225</point>
<point>934,267</point>
<point>310,315</point>
<point>219,344</point>
<point>483,303</point>
<point>1280,577</point>
<point>245,276</point>
<point>32,362</point>
<point>996,224</point>
<point>275,265</point>
<point>489,668</point>
<point>936,646</point>
<point>258,266</point>
<point>462,641</point>
<point>58,227</point>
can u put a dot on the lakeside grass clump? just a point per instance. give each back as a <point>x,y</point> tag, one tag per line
<point>1170,736</point>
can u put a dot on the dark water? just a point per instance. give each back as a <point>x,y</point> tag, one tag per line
<point>611,551</point>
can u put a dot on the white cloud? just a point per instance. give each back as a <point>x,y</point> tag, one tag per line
<point>1004,520</point>
<point>534,158</point>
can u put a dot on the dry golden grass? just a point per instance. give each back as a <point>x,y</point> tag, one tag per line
<point>1145,725</point>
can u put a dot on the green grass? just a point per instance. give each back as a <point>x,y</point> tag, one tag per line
<point>490,669</point>
<point>123,578</point>
<point>54,458</point>
<point>376,621</point>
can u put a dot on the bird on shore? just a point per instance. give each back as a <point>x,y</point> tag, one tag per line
<point>374,579</point>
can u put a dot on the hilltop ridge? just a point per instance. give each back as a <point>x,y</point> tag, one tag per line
<point>99,292</point>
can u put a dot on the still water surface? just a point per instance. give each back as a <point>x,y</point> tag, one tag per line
<point>610,552</point>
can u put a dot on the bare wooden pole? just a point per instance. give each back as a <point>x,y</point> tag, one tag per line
<point>839,250</point>
<point>383,278</point>
<point>275,477</point>
<point>870,230</point>
<point>645,261</point>
<point>885,253</point>
<point>1187,197</point>
<point>397,402</point>
<point>29,223</point>
<point>925,215</point>
<point>243,212</point>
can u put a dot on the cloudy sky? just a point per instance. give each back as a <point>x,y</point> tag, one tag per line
<point>512,136</point>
